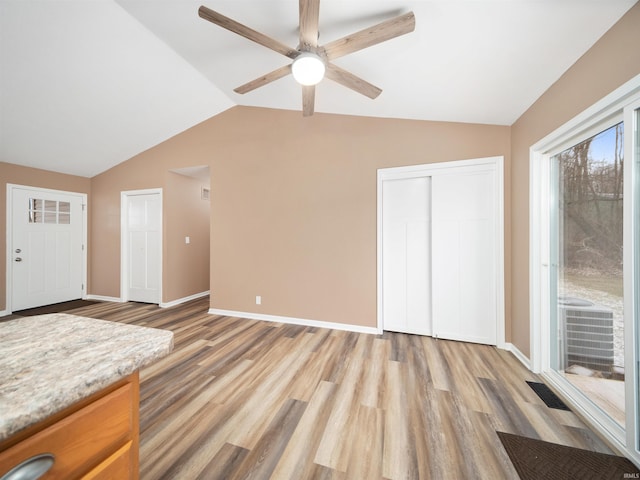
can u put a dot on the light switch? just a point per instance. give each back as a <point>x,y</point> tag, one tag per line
<point>187,240</point>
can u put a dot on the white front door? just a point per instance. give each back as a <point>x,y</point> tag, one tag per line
<point>46,248</point>
<point>143,246</point>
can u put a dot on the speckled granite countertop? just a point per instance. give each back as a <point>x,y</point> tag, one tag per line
<point>50,362</point>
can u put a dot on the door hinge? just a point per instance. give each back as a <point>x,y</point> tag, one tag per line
<point>83,246</point>
<point>83,205</point>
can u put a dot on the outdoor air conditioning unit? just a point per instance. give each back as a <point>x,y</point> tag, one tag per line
<point>588,334</point>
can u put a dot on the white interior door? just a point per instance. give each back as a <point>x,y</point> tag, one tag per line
<point>143,234</point>
<point>465,256</point>
<point>46,247</point>
<point>407,255</point>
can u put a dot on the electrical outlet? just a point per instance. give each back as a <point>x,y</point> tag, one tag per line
<point>258,300</point>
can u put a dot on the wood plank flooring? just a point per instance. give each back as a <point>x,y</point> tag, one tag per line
<point>244,399</point>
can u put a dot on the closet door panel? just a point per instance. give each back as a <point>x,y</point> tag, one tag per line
<point>406,255</point>
<point>464,256</point>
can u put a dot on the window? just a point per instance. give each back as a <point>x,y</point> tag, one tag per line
<point>49,211</point>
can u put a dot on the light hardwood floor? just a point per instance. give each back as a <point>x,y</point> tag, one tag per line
<point>241,399</point>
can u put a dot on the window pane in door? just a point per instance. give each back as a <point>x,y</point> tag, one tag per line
<point>587,298</point>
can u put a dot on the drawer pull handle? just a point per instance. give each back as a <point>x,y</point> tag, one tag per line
<point>31,469</point>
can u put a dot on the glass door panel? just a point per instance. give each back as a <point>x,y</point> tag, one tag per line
<point>587,314</point>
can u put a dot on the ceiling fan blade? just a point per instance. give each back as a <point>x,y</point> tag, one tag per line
<point>351,81</point>
<point>309,13</point>
<point>265,79</point>
<point>308,100</point>
<point>371,36</point>
<point>235,27</point>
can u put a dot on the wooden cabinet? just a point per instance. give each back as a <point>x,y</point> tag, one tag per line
<point>117,466</point>
<point>97,438</point>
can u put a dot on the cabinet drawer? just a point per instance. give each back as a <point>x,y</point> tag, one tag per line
<point>117,466</point>
<point>81,440</point>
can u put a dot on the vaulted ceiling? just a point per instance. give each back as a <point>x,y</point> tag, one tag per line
<point>87,84</point>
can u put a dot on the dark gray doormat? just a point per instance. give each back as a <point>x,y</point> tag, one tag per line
<point>550,399</point>
<point>538,460</point>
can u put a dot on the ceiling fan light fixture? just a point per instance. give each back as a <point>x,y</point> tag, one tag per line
<point>308,69</point>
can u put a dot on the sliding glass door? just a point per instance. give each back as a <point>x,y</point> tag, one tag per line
<point>587,287</point>
<point>585,264</point>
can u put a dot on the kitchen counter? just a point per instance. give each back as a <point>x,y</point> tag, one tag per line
<point>49,362</point>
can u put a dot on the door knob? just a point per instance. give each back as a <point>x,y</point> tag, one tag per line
<point>18,259</point>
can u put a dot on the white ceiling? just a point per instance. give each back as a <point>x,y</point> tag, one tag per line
<point>87,84</point>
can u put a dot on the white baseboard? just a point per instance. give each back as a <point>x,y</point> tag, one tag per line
<point>103,298</point>
<point>518,354</point>
<point>173,303</point>
<point>4,313</point>
<point>295,321</point>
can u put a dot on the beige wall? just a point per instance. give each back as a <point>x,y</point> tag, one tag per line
<point>105,219</point>
<point>185,266</point>
<point>293,212</point>
<point>612,61</point>
<point>34,178</point>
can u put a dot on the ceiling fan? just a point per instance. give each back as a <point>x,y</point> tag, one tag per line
<point>312,62</point>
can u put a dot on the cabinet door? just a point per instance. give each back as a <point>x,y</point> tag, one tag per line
<point>81,440</point>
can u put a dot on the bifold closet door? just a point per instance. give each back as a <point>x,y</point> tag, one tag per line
<point>406,253</point>
<point>464,255</point>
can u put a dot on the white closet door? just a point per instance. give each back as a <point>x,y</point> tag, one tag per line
<point>465,255</point>
<point>406,255</point>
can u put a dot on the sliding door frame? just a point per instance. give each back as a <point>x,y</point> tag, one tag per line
<point>631,254</point>
<point>611,109</point>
